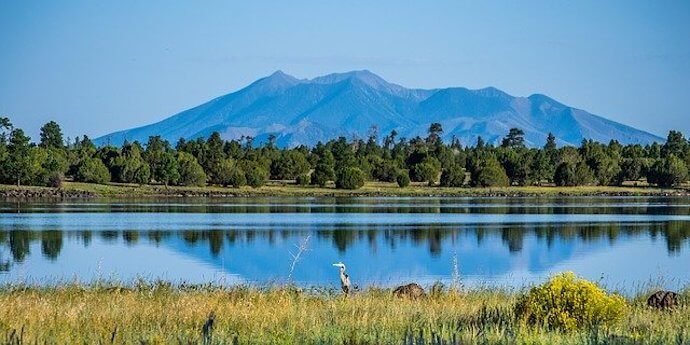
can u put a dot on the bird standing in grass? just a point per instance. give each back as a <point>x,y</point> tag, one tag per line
<point>344,278</point>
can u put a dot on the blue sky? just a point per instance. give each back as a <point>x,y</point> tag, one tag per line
<point>96,67</point>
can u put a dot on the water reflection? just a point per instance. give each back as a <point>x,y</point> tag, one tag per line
<point>384,241</point>
<point>434,237</point>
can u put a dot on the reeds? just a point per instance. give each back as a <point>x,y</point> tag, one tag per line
<point>159,313</point>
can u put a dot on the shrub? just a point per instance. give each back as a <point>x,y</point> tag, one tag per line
<point>303,179</point>
<point>488,172</point>
<point>191,172</point>
<point>349,178</point>
<point>426,171</point>
<point>255,174</point>
<point>670,171</point>
<point>236,177</point>
<point>322,174</point>
<point>569,303</point>
<point>92,170</point>
<point>403,179</point>
<point>453,176</point>
<point>55,179</point>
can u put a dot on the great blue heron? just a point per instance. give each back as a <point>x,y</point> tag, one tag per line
<point>344,278</point>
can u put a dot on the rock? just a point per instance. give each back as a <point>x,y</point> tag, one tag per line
<point>413,291</point>
<point>663,300</point>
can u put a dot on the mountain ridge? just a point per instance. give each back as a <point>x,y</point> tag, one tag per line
<point>305,111</point>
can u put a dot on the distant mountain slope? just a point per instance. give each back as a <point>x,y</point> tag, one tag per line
<point>301,111</point>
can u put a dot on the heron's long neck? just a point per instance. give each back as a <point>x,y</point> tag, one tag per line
<point>342,273</point>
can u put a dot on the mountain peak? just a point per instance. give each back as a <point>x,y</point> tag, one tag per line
<point>281,76</point>
<point>362,75</point>
<point>305,111</point>
<point>278,80</point>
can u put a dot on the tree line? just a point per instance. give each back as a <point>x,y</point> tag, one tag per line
<point>340,162</point>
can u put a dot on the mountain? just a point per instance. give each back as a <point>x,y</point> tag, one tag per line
<point>305,111</point>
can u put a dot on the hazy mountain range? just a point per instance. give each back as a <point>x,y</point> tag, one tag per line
<point>305,111</point>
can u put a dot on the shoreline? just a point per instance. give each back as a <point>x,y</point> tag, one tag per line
<point>73,190</point>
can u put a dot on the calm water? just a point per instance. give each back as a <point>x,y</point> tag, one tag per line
<point>623,242</point>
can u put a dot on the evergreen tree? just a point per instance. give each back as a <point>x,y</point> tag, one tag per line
<point>349,178</point>
<point>324,170</point>
<point>550,143</point>
<point>214,159</point>
<point>18,163</point>
<point>92,170</point>
<point>669,171</point>
<point>255,173</point>
<point>489,172</point>
<point>291,164</point>
<point>515,139</point>
<point>403,178</point>
<point>453,177</point>
<point>130,167</point>
<point>51,136</point>
<point>191,172</point>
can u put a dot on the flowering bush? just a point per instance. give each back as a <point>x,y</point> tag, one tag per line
<point>569,303</point>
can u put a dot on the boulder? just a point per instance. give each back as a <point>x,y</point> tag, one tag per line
<point>663,299</point>
<point>413,291</point>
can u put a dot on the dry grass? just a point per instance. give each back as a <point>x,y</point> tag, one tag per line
<point>286,188</point>
<point>162,314</point>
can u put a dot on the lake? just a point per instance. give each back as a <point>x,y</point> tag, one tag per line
<point>626,243</point>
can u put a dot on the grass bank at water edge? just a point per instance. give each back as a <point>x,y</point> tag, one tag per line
<point>158,313</point>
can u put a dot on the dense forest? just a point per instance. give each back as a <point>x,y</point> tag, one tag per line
<point>346,163</point>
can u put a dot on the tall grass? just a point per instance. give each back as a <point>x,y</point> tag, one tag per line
<point>159,313</point>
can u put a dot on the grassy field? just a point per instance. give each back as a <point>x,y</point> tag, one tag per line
<point>162,314</point>
<point>278,188</point>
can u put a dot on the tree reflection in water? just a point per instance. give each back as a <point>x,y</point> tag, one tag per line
<point>19,242</point>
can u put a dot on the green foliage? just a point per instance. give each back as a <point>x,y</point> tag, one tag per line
<point>453,176</point>
<point>349,178</point>
<point>230,174</point>
<point>17,165</point>
<point>51,136</point>
<point>384,170</point>
<point>324,170</point>
<point>92,170</point>
<point>191,172</point>
<point>322,174</point>
<point>516,162</point>
<point>289,165</point>
<point>212,158</point>
<point>632,169</point>
<point>403,178</point>
<point>215,160</point>
<point>515,139</point>
<point>255,173</point>
<point>168,170</point>
<point>676,145</point>
<point>162,161</point>
<point>669,171</point>
<point>565,174</point>
<point>237,177</point>
<point>426,171</point>
<point>568,303</point>
<point>303,179</point>
<point>50,166</point>
<point>573,174</point>
<point>130,167</point>
<point>488,172</point>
